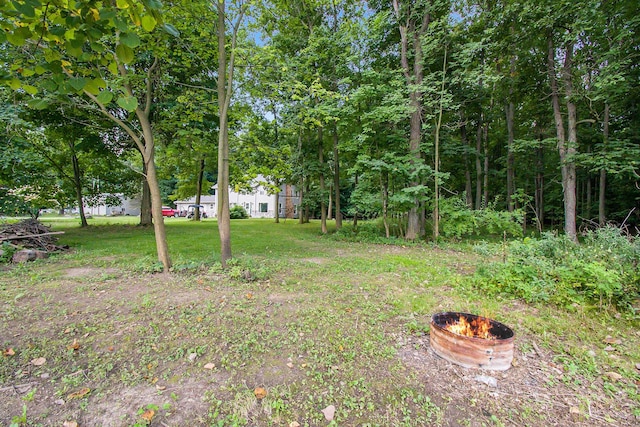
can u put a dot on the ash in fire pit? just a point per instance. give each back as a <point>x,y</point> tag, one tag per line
<point>472,341</point>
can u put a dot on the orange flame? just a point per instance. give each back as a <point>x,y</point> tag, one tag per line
<point>479,327</point>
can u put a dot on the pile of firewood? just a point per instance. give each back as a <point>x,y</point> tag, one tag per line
<point>30,234</point>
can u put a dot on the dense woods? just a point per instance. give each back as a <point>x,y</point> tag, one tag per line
<point>437,117</point>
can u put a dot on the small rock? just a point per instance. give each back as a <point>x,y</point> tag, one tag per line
<point>490,381</point>
<point>59,402</point>
<point>44,376</point>
<point>609,348</point>
<point>209,366</point>
<point>638,366</point>
<point>294,424</point>
<point>591,353</point>
<point>192,357</point>
<point>329,412</point>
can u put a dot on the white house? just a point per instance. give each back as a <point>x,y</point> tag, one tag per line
<point>258,202</point>
<point>125,206</point>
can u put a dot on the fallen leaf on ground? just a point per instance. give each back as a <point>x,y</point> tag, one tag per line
<point>329,412</point>
<point>638,366</point>
<point>192,357</point>
<point>9,352</point>
<point>74,345</point>
<point>260,392</point>
<point>290,365</point>
<point>249,295</point>
<point>70,424</point>
<point>209,366</point>
<point>79,394</point>
<point>160,387</point>
<point>614,376</point>
<point>610,340</point>
<point>39,361</point>
<point>294,424</point>
<point>148,415</point>
<point>574,410</point>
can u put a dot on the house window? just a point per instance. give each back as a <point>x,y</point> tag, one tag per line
<point>264,207</point>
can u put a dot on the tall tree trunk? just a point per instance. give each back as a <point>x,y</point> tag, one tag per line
<point>146,218</point>
<point>323,204</point>
<point>566,148</point>
<point>384,188</point>
<point>467,164</point>
<point>197,213</point>
<point>602,216</point>
<point>485,172</point>
<point>413,75</point>
<point>355,214</point>
<point>510,155</point>
<point>479,163</point>
<point>330,204</point>
<point>539,193</point>
<point>436,162</point>
<point>225,88</point>
<point>77,181</point>
<point>336,177</point>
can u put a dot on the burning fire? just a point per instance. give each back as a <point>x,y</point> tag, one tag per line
<point>479,327</point>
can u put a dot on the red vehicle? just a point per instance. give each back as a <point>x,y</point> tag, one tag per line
<point>167,211</point>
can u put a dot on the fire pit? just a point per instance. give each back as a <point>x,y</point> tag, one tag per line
<point>472,341</point>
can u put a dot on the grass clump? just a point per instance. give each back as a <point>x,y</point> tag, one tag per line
<point>603,269</point>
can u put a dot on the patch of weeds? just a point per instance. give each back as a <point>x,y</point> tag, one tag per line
<point>147,264</point>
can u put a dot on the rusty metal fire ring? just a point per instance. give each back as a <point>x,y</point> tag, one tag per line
<point>472,352</point>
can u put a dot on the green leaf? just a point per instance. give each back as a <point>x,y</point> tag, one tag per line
<point>24,9</point>
<point>129,103</point>
<point>130,39</point>
<point>15,39</point>
<point>27,72</point>
<point>15,84</point>
<point>124,53</point>
<point>153,4</point>
<point>31,90</point>
<point>40,70</point>
<point>38,104</point>
<point>171,30</point>
<point>95,85</point>
<point>148,23</point>
<point>122,4</point>
<point>49,85</point>
<point>113,67</point>
<point>120,24</point>
<point>105,97</point>
<point>78,83</point>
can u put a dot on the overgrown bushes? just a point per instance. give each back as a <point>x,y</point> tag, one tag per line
<point>602,269</point>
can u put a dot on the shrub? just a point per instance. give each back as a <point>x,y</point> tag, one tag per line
<point>238,212</point>
<point>603,270</point>
<point>458,221</point>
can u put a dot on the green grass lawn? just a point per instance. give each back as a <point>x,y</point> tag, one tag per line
<point>314,321</point>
